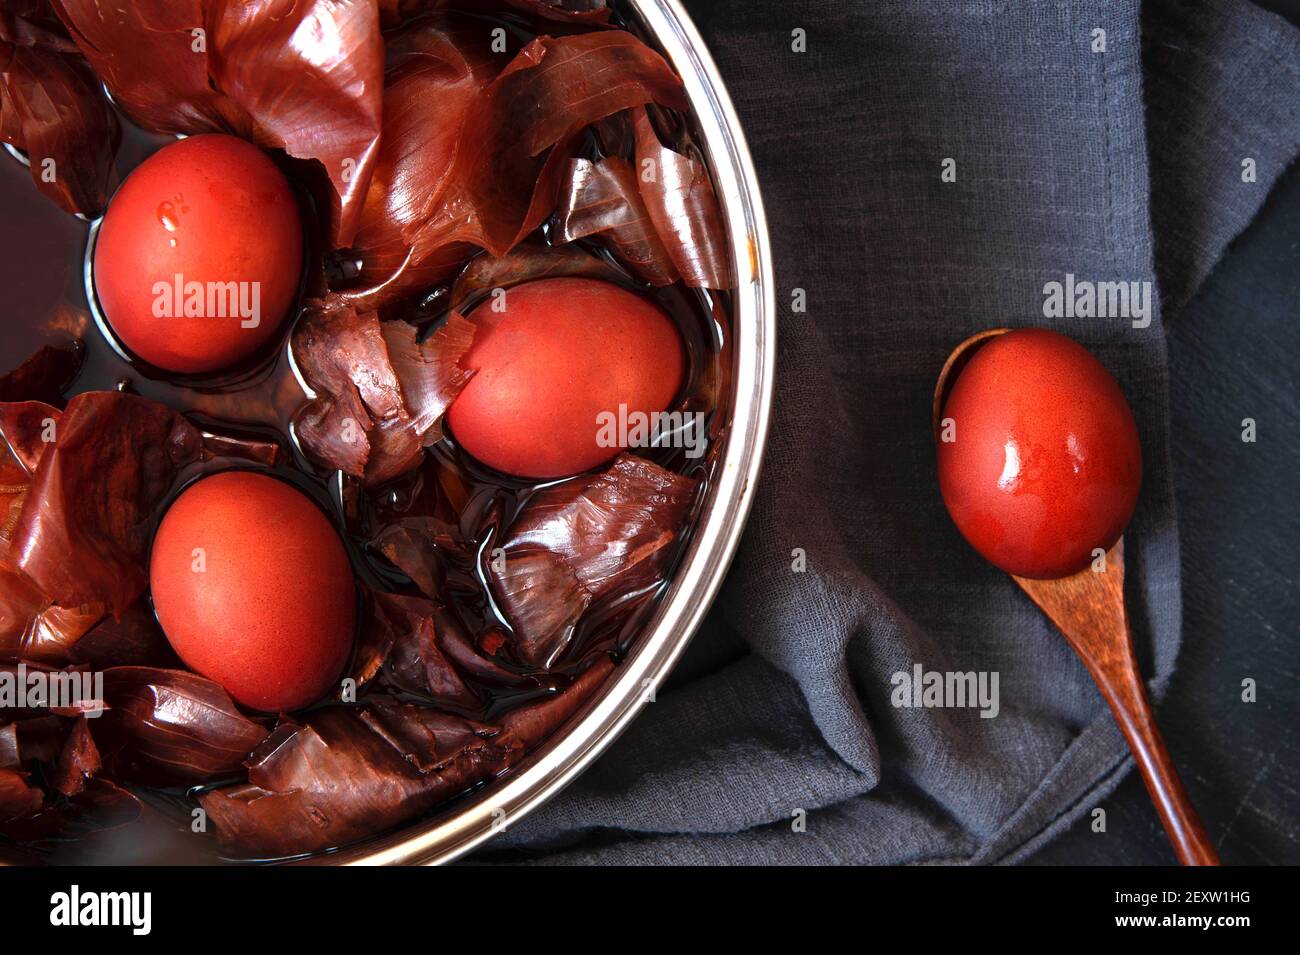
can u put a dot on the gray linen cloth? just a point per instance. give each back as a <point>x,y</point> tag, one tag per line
<point>776,741</point>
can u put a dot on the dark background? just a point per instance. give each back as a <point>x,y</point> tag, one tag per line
<point>1232,354</point>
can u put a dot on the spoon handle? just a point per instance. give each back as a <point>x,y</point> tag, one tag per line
<point>1089,609</point>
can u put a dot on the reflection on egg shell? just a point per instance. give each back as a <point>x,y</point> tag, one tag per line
<point>1044,465</point>
<point>198,257</point>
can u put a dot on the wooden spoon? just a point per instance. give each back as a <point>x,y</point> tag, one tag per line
<point>1088,607</point>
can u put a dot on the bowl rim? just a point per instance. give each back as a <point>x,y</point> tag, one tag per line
<point>574,746</point>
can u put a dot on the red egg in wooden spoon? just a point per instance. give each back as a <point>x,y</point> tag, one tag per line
<point>1039,466</point>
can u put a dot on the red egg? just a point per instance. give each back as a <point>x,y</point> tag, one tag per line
<point>198,257</point>
<point>1045,465</point>
<point>559,362</point>
<point>253,588</point>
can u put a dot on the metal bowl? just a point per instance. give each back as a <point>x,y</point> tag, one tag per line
<point>572,748</point>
